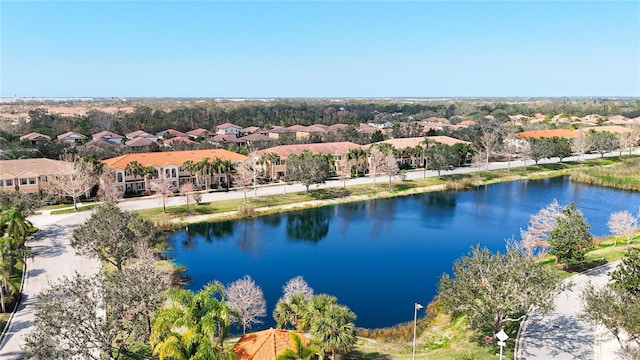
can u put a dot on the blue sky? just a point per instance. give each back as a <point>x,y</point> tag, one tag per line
<point>319,49</point>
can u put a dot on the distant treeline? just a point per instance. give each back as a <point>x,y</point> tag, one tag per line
<point>208,115</point>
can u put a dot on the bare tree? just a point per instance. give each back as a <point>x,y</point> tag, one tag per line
<point>511,147</point>
<point>243,178</point>
<point>391,166</point>
<point>107,186</point>
<point>186,190</point>
<point>580,145</point>
<point>247,300</point>
<point>76,181</point>
<point>164,189</point>
<point>296,285</point>
<point>540,226</point>
<point>626,141</point>
<point>377,161</point>
<point>622,223</point>
<point>489,141</point>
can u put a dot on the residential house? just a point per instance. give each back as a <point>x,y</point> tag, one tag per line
<point>108,136</point>
<point>520,139</point>
<point>224,140</point>
<point>265,344</point>
<point>168,165</point>
<point>72,138</point>
<point>200,133</point>
<point>171,133</point>
<point>256,140</point>
<point>139,142</point>
<point>228,129</point>
<point>178,140</point>
<point>337,149</point>
<point>405,145</point>
<point>29,175</point>
<point>35,137</point>
<point>250,130</point>
<point>276,132</point>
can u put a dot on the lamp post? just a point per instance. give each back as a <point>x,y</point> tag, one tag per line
<point>416,307</point>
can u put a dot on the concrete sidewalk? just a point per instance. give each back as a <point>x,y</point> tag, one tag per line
<point>53,259</point>
<point>562,334</point>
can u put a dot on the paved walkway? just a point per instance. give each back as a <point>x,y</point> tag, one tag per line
<point>53,259</point>
<point>561,334</point>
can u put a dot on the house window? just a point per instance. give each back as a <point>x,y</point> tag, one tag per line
<point>140,186</point>
<point>119,177</point>
<point>8,182</point>
<point>24,181</point>
<point>32,181</point>
<point>173,173</point>
<point>43,179</point>
<point>1,183</point>
<point>127,173</point>
<point>167,173</point>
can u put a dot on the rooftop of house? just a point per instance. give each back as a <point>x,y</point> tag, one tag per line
<point>34,136</point>
<point>264,345</point>
<point>198,132</point>
<point>105,134</point>
<point>139,141</point>
<point>227,125</point>
<point>335,148</point>
<point>71,134</point>
<point>403,143</point>
<point>161,159</point>
<point>549,133</point>
<point>35,167</point>
<point>256,137</point>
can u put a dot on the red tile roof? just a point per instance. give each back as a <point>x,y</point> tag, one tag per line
<point>34,136</point>
<point>138,141</point>
<point>332,148</point>
<point>264,345</point>
<point>161,159</point>
<point>227,125</point>
<point>198,132</point>
<point>537,134</point>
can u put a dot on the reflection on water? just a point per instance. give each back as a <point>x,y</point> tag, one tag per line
<point>310,225</point>
<point>378,257</point>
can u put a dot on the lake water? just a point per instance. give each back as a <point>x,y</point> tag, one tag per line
<point>379,257</point>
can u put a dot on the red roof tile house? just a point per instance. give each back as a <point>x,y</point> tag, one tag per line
<point>265,345</point>
<point>168,165</point>
<point>34,137</point>
<point>72,138</point>
<point>29,175</point>
<point>228,129</point>
<point>108,136</point>
<point>337,149</point>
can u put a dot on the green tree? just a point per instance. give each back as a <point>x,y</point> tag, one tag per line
<point>617,305</point>
<point>112,235</point>
<point>357,156</point>
<point>561,147</point>
<point>300,351</point>
<point>193,325</point>
<point>541,148</point>
<point>493,289</point>
<point>441,157</point>
<point>602,141</point>
<point>291,312</point>
<point>307,168</point>
<point>334,329</point>
<point>135,169</point>
<point>570,239</point>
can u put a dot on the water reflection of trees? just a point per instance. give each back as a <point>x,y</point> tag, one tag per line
<point>348,213</point>
<point>439,203</point>
<point>310,225</point>
<point>210,232</point>
<point>248,236</point>
<point>382,214</point>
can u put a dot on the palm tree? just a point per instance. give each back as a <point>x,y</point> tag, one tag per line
<point>356,154</point>
<point>291,313</point>
<point>270,158</point>
<point>148,172</point>
<point>14,229</point>
<point>200,168</point>
<point>426,143</point>
<point>226,167</point>
<point>334,330</point>
<point>193,325</point>
<point>135,169</point>
<point>299,351</point>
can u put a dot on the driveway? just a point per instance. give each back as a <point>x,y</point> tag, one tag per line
<point>53,259</point>
<point>561,334</point>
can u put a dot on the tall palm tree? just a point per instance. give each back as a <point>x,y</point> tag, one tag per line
<point>193,325</point>
<point>270,158</point>
<point>426,143</point>
<point>335,330</point>
<point>201,168</point>
<point>135,169</point>
<point>291,312</point>
<point>14,229</point>
<point>148,172</point>
<point>300,351</point>
<point>357,154</point>
<point>226,167</point>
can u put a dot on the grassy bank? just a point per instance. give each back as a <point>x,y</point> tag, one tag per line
<point>236,208</point>
<point>623,175</point>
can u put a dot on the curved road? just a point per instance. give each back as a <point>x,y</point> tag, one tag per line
<point>54,258</point>
<point>561,334</point>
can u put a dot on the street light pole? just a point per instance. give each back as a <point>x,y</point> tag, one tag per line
<point>416,307</point>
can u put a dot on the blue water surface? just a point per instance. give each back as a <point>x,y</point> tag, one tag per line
<point>379,257</point>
